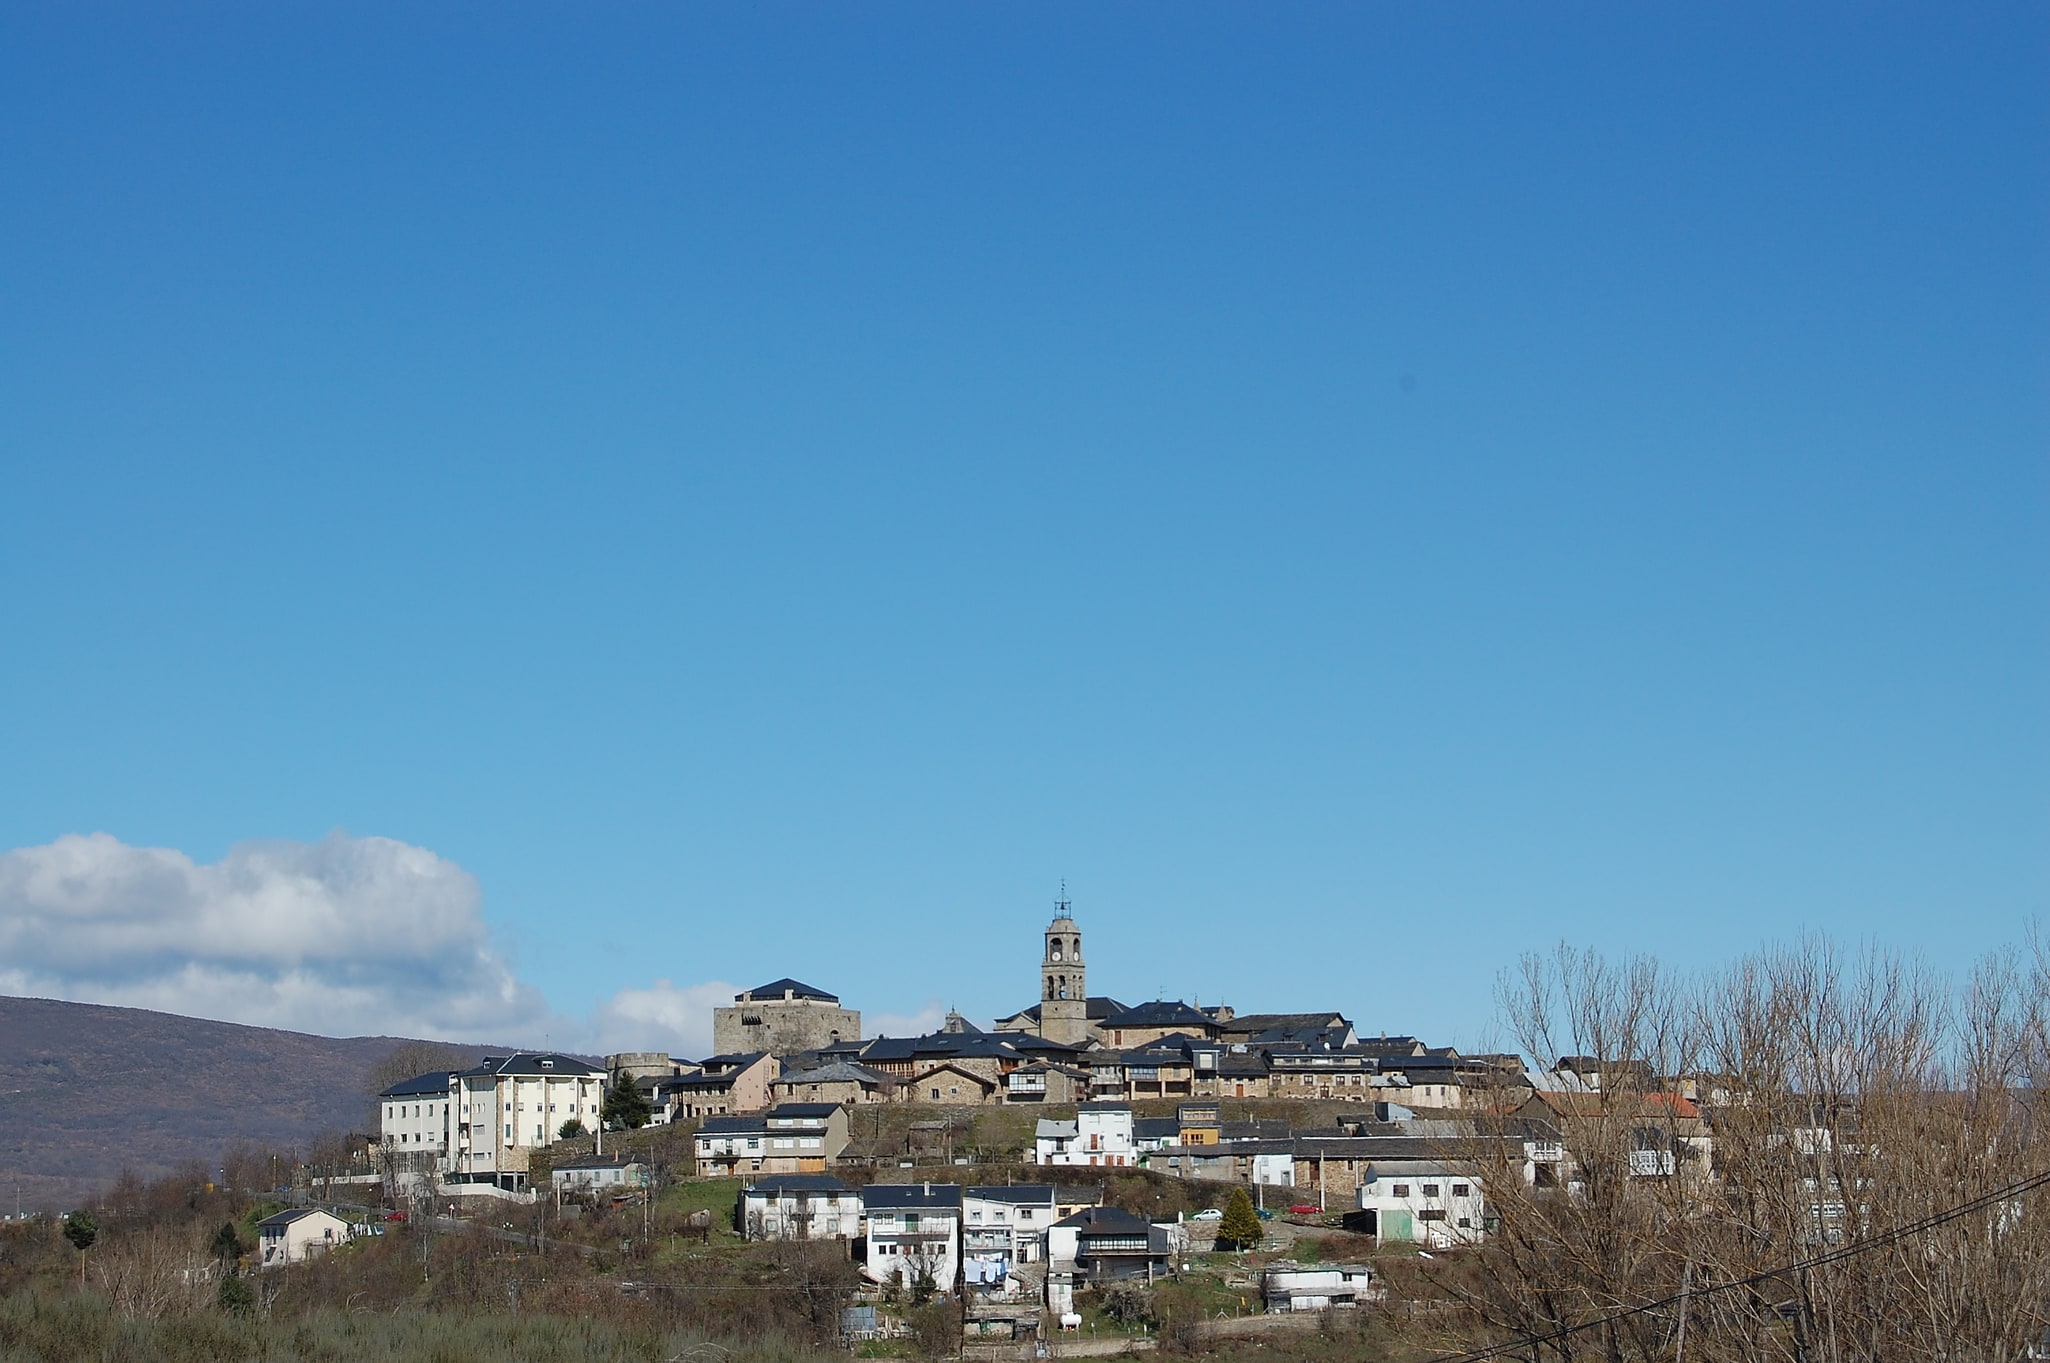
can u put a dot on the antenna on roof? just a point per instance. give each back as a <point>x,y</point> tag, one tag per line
<point>1060,906</point>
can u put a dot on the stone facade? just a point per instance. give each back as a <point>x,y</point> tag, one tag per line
<point>783,1018</point>
<point>1063,983</point>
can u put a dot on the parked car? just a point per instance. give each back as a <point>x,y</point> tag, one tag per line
<point>1306,1209</point>
<point>394,1216</point>
<point>1208,1214</point>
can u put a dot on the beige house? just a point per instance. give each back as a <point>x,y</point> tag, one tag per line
<point>722,1086</point>
<point>298,1235</point>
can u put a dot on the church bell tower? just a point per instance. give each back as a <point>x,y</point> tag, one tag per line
<point>1063,986</point>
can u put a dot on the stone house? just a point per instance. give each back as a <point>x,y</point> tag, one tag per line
<point>783,1017</point>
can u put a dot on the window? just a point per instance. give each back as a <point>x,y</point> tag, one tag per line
<point>1399,1190</point>
<point>1431,1214</point>
<point>1430,1190</point>
<point>911,1223</point>
<point>1465,1223</point>
<point>1461,1190</point>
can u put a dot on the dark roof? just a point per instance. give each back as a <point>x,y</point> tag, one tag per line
<point>911,1196</point>
<point>1242,1062</point>
<point>1268,1022</point>
<point>1259,1129</point>
<point>1144,1128</point>
<point>1034,1193</point>
<point>1107,1221</point>
<point>1164,1013</point>
<point>434,1082</point>
<point>547,1062</point>
<point>804,1109</point>
<point>797,1183</point>
<point>1389,1045</point>
<point>833,1072</point>
<point>1106,1105</point>
<point>1099,1007</point>
<point>287,1218</point>
<point>776,989</point>
<point>733,1060</point>
<point>733,1126</point>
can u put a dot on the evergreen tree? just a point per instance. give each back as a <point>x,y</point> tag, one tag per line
<point>626,1106</point>
<point>571,1129</point>
<point>227,1245</point>
<point>1240,1228</point>
<point>81,1230</point>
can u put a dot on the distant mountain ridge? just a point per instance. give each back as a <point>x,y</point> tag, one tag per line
<point>87,1090</point>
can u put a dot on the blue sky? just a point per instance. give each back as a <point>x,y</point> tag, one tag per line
<point>1359,491</point>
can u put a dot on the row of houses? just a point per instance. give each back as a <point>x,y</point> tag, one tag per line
<point>1038,1242</point>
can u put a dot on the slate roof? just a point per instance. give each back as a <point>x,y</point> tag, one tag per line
<point>1036,1194</point>
<point>287,1218</point>
<point>432,1084</point>
<point>1267,1022</point>
<point>530,1063</point>
<point>912,1197</point>
<point>1149,1128</point>
<point>1107,1221</point>
<point>797,1183</point>
<point>835,1072</point>
<point>733,1060</point>
<point>734,1126</point>
<point>774,990</point>
<point>818,1111</point>
<point>1164,1013</point>
<point>1099,1007</point>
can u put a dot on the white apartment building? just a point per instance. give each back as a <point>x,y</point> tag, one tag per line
<point>477,1125</point>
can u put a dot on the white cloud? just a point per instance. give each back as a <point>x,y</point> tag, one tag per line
<point>926,1019</point>
<point>663,1016</point>
<point>341,936</point>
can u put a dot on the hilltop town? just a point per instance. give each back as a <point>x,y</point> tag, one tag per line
<point>1379,1136</point>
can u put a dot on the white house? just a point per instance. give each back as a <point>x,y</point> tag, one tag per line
<point>600,1173</point>
<point>295,1236</point>
<point>1289,1286</point>
<point>800,1207</point>
<point>1002,1226</point>
<point>913,1230</point>
<point>1430,1202</point>
<point>1101,1134</point>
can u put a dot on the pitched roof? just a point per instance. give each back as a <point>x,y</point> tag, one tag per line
<point>288,1217</point>
<point>775,990</point>
<point>1033,1193</point>
<point>434,1083</point>
<point>797,1183</point>
<point>836,1072</point>
<point>1098,1007</point>
<point>804,1109</point>
<point>1162,1013</point>
<point>733,1126</point>
<point>534,1063</point>
<point>1107,1221</point>
<point>911,1196</point>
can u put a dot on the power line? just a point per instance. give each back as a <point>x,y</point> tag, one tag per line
<point>1823,1260</point>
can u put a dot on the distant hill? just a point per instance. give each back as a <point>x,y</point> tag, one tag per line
<point>87,1091</point>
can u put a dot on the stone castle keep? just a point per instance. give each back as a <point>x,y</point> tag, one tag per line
<point>783,1017</point>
